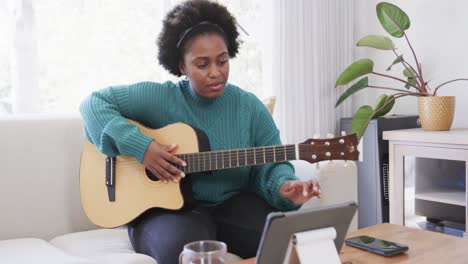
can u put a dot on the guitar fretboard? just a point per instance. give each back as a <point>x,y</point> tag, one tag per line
<point>225,159</point>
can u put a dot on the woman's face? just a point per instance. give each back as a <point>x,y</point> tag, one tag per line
<point>206,64</point>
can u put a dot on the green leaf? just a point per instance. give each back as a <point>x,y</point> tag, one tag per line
<point>376,41</point>
<point>355,70</point>
<point>361,119</point>
<point>396,61</point>
<point>393,19</point>
<point>361,84</point>
<point>410,73</point>
<point>384,99</point>
<point>412,81</point>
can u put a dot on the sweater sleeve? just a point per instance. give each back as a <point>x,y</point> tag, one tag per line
<point>267,179</point>
<point>104,115</point>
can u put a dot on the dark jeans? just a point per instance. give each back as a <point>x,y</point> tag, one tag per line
<point>238,222</point>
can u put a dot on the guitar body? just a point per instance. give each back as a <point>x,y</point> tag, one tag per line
<point>135,192</point>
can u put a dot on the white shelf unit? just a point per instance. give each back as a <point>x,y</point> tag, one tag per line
<point>443,196</point>
<point>441,145</point>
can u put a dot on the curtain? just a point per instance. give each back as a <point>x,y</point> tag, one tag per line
<point>24,60</point>
<point>312,44</point>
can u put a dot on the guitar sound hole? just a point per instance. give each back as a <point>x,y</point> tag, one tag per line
<point>150,175</point>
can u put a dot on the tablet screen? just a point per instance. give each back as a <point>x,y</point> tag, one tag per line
<point>281,226</point>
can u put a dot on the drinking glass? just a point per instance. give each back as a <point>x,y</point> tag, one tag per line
<point>203,252</point>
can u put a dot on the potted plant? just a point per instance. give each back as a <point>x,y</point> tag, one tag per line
<point>435,112</point>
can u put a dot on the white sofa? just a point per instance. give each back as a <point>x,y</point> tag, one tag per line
<point>41,217</point>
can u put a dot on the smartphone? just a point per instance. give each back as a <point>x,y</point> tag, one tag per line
<point>378,246</point>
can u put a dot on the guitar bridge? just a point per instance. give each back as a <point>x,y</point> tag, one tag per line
<point>110,178</point>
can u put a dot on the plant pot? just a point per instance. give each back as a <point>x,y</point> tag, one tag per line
<point>436,112</point>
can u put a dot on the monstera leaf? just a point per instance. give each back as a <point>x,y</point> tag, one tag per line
<point>383,100</point>
<point>377,42</point>
<point>411,75</point>
<point>393,19</point>
<point>396,61</point>
<point>361,119</point>
<point>355,70</point>
<point>363,83</point>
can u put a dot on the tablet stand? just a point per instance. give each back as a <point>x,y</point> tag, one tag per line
<point>314,246</point>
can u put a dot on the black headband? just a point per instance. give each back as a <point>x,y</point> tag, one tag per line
<point>204,26</point>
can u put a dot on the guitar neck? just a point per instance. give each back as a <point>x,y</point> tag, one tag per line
<point>225,159</point>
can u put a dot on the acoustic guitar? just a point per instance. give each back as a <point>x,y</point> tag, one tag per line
<point>116,190</point>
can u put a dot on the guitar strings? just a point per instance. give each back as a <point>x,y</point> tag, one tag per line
<point>220,159</point>
<point>206,160</point>
<point>269,152</point>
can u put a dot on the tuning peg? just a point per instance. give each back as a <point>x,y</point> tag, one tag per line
<point>330,135</point>
<point>316,136</point>
<point>343,133</point>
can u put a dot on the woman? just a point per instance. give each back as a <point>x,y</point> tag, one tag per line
<point>197,40</point>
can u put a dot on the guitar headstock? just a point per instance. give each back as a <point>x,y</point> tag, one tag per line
<point>338,148</point>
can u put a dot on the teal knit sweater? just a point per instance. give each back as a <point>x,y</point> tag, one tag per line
<point>236,119</point>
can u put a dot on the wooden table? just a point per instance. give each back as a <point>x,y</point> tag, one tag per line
<point>425,247</point>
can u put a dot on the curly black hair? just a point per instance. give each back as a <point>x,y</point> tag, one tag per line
<point>185,16</point>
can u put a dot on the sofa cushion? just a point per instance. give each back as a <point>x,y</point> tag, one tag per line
<point>34,250</point>
<point>270,103</point>
<point>108,246</point>
<point>104,245</point>
<point>40,164</point>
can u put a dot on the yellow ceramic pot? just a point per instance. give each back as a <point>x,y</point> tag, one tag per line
<point>436,112</point>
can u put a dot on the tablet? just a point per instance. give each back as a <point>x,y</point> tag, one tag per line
<point>281,226</point>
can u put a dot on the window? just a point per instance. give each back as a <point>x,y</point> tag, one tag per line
<point>85,45</point>
<point>6,30</point>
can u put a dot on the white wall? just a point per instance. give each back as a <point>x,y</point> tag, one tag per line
<point>439,35</point>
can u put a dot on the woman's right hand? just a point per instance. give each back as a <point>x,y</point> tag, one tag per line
<point>159,160</point>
